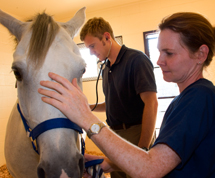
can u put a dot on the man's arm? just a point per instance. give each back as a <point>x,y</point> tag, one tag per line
<point>101,107</point>
<point>148,118</point>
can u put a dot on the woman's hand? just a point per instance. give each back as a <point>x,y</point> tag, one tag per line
<point>107,166</point>
<point>68,98</point>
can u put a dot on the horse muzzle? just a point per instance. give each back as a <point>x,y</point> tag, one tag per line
<point>61,168</point>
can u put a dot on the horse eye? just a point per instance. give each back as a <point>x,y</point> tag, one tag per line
<point>17,74</point>
<point>84,70</point>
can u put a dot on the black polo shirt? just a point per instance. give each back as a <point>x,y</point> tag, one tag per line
<point>130,75</point>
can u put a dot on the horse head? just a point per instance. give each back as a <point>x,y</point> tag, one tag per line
<point>46,46</point>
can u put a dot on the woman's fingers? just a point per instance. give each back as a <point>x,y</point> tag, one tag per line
<point>61,80</point>
<point>51,97</point>
<point>86,175</point>
<point>47,92</point>
<point>58,86</point>
<point>67,97</point>
<point>74,82</point>
<point>89,157</point>
<point>62,85</point>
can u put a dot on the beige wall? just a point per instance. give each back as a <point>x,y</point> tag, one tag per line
<point>130,21</point>
<point>7,85</point>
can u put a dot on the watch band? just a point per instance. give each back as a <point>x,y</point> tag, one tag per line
<point>90,132</point>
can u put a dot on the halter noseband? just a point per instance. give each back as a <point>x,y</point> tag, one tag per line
<point>48,125</point>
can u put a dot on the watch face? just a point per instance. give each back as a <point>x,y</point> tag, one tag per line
<point>95,128</point>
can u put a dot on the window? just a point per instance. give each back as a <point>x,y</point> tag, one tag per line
<point>93,67</point>
<point>166,91</point>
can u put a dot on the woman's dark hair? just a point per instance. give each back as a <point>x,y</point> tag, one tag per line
<point>195,30</point>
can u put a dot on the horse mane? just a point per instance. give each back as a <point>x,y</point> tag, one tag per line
<point>44,30</point>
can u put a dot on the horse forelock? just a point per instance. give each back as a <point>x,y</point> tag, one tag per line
<point>44,30</point>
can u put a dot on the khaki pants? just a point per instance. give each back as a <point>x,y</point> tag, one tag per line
<point>132,135</point>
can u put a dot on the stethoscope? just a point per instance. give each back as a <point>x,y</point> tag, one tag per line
<point>101,67</point>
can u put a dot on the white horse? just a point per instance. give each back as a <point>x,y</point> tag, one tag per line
<point>43,46</point>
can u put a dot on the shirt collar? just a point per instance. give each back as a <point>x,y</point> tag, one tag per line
<point>119,57</point>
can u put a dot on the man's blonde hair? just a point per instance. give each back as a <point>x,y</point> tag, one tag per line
<point>96,27</point>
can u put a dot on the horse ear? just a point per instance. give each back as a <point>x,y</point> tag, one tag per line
<point>74,24</point>
<point>12,24</point>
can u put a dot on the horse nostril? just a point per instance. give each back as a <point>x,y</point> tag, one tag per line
<point>40,172</point>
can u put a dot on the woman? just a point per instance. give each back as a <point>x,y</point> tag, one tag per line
<point>185,146</point>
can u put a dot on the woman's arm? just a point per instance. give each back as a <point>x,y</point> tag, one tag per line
<point>134,161</point>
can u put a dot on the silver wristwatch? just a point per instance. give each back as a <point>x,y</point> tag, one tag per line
<point>95,128</point>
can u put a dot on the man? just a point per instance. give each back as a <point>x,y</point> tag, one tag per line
<point>128,85</point>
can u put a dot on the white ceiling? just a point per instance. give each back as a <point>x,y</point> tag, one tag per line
<point>59,8</point>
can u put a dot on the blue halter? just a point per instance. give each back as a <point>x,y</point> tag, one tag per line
<point>53,124</point>
<point>48,125</point>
